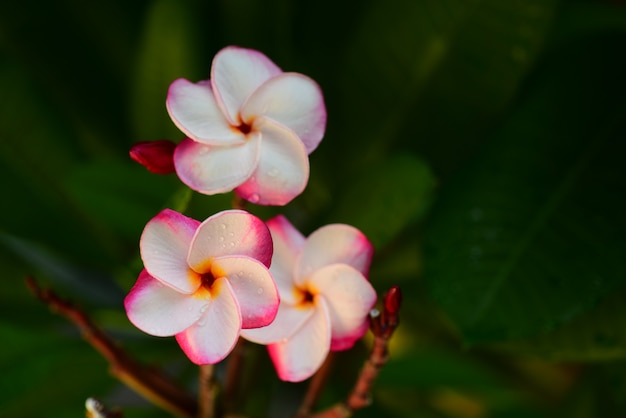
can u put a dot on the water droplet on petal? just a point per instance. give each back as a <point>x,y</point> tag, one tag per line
<point>259,291</point>
<point>232,244</point>
<point>221,238</point>
<point>254,198</point>
<point>223,226</point>
<point>273,172</point>
<point>231,234</point>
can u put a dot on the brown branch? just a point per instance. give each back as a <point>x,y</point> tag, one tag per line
<point>147,381</point>
<point>315,387</point>
<point>232,376</point>
<point>382,326</point>
<point>207,391</point>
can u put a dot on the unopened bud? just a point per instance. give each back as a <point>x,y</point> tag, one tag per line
<point>393,300</point>
<point>156,156</point>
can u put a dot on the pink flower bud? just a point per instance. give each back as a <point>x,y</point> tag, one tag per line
<point>393,300</point>
<point>156,156</point>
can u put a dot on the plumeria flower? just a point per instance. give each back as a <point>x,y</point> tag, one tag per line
<point>325,296</point>
<point>249,128</point>
<point>204,282</point>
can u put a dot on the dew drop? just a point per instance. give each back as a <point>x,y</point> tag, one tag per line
<point>231,234</point>
<point>221,238</point>
<point>231,244</point>
<point>273,172</point>
<point>223,226</point>
<point>259,291</point>
<point>254,198</point>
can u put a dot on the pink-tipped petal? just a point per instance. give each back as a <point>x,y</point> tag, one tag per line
<point>288,321</point>
<point>282,171</point>
<point>335,243</point>
<point>230,233</point>
<point>235,74</point>
<point>287,244</point>
<point>293,100</point>
<point>253,287</point>
<point>159,310</point>
<point>164,246</point>
<point>298,357</point>
<point>350,297</point>
<point>212,169</point>
<point>211,338</point>
<point>195,111</point>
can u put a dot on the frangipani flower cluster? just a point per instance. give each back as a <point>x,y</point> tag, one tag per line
<point>249,129</point>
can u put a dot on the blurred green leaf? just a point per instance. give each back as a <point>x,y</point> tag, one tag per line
<point>387,199</point>
<point>531,234</point>
<point>121,195</point>
<point>168,50</point>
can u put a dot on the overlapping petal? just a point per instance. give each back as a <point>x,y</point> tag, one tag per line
<point>282,171</point>
<point>164,245</point>
<point>195,111</point>
<point>160,310</point>
<point>293,100</point>
<point>335,243</point>
<point>213,336</point>
<point>349,297</point>
<point>298,357</point>
<point>288,242</point>
<point>235,74</point>
<point>213,169</point>
<point>231,232</point>
<point>253,288</point>
<point>288,321</point>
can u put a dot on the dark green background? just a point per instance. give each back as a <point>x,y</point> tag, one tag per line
<point>479,144</point>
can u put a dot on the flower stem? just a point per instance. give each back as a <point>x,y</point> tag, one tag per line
<point>145,380</point>
<point>207,390</point>
<point>315,387</point>
<point>233,375</point>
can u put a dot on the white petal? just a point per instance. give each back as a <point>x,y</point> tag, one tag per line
<point>212,169</point>
<point>335,243</point>
<point>195,111</point>
<point>159,310</point>
<point>214,335</point>
<point>164,245</point>
<point>288,321</point>
<point>293,100</point>
<point>230,233</point>
<point>282,171</point>
<point>298,357</point>
<point>350,298</point>
<point>253,288</point>
<point>287,244</point>
<point>235,74</point>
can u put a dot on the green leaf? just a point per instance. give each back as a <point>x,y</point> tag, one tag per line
<point>531,234</point>
<point>168,51</point>
<point>387,199</point>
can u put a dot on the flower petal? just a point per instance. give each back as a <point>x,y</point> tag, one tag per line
<point>282,171</point>
<point>235,74</point>
<point>298,357</point>
<point>293,100</point>
<point>195,111</point>
<point>288,321</point>
<point>350,297</point>
<point>253,288</point>
<point>212,169</point>
<point>164,246</point>
<point>214,335</point>
<point>230,233</point>
<point>287,244</point>
<point>159,310</point>
<point>335,243</point>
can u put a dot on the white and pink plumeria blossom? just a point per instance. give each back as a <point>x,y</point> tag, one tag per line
<point>325,296</point>
<point>249,128</point>
<point>204,282</point>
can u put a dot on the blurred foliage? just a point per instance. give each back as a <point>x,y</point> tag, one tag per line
<point>479,144</point>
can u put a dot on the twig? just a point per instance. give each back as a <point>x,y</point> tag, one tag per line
<point>95,409</point>
<point>207,389</point>
<point>382,326</point>
<point>232,377</point>
<point>147,381</point>
<point>239,202</point>
<point>315,387</point>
